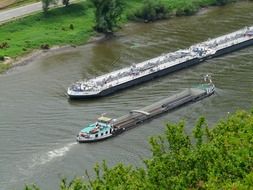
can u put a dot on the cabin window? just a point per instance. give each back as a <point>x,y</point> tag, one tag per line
<point>102,134</point>
<point>106,132</point>
<point>96,135</point>
<point>110,130</point>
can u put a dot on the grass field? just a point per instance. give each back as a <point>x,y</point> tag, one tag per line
<point>55,28</point>
<point>38,30</point>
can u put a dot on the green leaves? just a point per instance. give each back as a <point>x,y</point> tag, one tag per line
<point>221,158</point>
<point>46,3</point>
<point>198,131</point>
<point>108,14</point>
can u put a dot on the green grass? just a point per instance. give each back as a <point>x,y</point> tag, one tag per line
<point>29,33</point>
<point>33,31</point>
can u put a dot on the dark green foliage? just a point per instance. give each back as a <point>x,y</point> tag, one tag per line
<point>65,2</point>
<point>107,14</point>
<point>186,8</point>
<point>198,131</point>
<point>224,2</point>
<point>221,158</point>
<point>152,10</point>
<point>46,3</point>
<point>4,45</point>
<point>33,187</point>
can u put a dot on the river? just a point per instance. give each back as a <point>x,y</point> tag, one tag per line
<point>38,123</point>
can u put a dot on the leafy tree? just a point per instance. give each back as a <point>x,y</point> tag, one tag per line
<point>152,10</point>
<point>65,2</point>
<point>46,3</point>
<point>221,158</point>
<point>108,14</point>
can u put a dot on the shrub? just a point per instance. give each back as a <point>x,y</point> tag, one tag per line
<point>45,46</point>
<point>152,10</point>
<point>1,58</point>
<point>223,2</point>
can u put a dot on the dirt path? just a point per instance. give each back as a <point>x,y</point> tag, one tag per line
<point>5,3</point>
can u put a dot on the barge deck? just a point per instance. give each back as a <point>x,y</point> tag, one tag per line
<point>106,127</point>
<point>135,117</point>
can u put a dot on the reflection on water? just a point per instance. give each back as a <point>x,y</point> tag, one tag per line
<point>38,124</point>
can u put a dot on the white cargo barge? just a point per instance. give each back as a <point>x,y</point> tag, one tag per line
<point>162,65</point>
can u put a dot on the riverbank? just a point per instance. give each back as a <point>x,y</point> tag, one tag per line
<point>12,63</point>
<point>62,26</point>
<point>72,25</point>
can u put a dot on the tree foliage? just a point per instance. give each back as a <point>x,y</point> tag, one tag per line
<point>46,3</point>
<point>65,2</point>
<point>108,14</point>
<point>224,2</point>
<point>152,10</point>
<point>221,158</point>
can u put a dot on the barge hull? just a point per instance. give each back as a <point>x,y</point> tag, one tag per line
<point>166,71</point>
<point>133,119</point>
<point>233,48</point>
<point>175,68</point>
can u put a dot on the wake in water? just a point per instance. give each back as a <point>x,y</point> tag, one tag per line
<point>28,168</point>
<point>42,159</point>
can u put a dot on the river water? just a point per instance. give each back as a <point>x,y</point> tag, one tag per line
<point>38,123</point>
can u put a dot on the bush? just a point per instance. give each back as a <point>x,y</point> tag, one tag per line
<point>223,2</point>
<point>152,10</point>
<point>45,46</point>
<point>1,58</point>
<point>186,11</point>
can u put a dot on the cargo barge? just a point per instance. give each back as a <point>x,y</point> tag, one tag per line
<point>106,127</point>
<point>160,66</point>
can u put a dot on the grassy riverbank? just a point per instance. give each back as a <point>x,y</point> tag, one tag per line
<point>70,25</point>
<point>73,25</point>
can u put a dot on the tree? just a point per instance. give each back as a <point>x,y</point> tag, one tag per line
<point>221,158</point>
<point>65,2</point>
<point>152,10</point>
<point>46,3</point>
<point>108,14</point>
